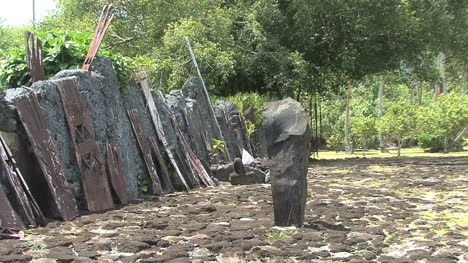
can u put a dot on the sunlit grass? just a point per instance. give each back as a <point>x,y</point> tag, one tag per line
<point>378,168</point>
<point>407,152</point>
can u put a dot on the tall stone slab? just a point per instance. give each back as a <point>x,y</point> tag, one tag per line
<point>193,89</point>
<point>8,216</point>
<point>88,155</point>
<point>288,145</point>
<point>62,202</point>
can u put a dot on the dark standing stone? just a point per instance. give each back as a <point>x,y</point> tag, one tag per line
<point>287,136</point>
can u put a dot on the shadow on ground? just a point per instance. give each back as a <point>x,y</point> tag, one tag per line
<point>412,209</point>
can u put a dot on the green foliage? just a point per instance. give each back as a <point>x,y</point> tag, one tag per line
<point>336,141</point>
<point>36,248</point>
<point>10,38</point>
<point>250,106</point>
<point>218,146</point>
<point>209,45</point>
<point>398,122</point>
<point>14,70</point>
<point>364,128</point>
<point>440,122</point>
<point>61,50</point>
<point>143,184</point>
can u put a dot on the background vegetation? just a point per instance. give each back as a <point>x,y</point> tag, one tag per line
<point>316,51</point>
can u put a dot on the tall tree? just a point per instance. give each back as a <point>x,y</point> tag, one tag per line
<point>382,144</point>
<point>348,144</point>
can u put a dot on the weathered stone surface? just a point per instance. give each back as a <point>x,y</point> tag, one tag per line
<point>198,136</point>
<point>173,142</point>
<point>241,176</point>
<point>222,117</point>
<point>239,129</point>
<point>9,117</point>
<point>288,139</point>
<point>101,94</point>
<point>193,89</point>
<point>222,172</point>
<point>232,220</point>
<point>253,176</point>
<point>133,99</point>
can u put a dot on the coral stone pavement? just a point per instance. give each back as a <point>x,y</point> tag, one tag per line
<point>412,209</point>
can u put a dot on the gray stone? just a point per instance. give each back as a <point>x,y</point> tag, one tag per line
<point>232,146</point>
<point>252,176</point>
<point>288,143</point>
<point>194,128</point>
<point>133,99</point>
<point>201,253</point>
<point>193,89</point>
<point>222,172</point>
<point>9,117</point>
<point>239,167</point>
<point>173,141</point>
<point>268,251</point>
<point>101,94</point>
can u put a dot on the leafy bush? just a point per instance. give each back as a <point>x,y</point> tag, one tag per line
<point>364,128</point>
<point>251,107</point>
<point>218,146</point>
<point>440,122</point>
<point>398,122</point>
<point>61,50</point>
<point>252,101</point>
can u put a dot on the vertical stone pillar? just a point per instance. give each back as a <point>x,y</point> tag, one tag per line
<point>288,144</point>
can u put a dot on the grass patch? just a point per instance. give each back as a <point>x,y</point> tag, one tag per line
<point>378,168</point>
<point>273,235</point>
<point>390,237</point>
<point>409,152</point>
<point>340,171</point>
<point>36,248</point>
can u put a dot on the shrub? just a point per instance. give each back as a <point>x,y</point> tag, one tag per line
<point>398,122</point>
<point>440,122</point>
<point>61,50</point>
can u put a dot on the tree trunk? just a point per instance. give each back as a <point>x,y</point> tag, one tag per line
<point>320,123</point>
<point>412,93</point>
<point>348,146</point>
<point>399,147</point>
<point>316,125</point>
<point>383,145</point>
<point>443,73</point>
<point>420,92</point>
<point>436,92</point>
<point>298,96</point>
<point>446,145</point>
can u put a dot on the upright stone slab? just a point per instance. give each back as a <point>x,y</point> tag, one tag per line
<point>288,139</point>
<point>193,89</point>
<point>8,216</point>
<point>88,155</point>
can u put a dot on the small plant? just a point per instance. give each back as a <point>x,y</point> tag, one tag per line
<point>273,235</point>
<point>144,184</point>
<point>390,238</point>
<point>61,50</point>
<point>218,146</point>
<point>250,128</point>
<point>36,248</point>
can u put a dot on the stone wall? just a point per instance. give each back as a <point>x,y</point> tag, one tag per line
<point>183,115</point>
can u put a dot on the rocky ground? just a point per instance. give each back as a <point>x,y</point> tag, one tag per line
<point>359,210</point>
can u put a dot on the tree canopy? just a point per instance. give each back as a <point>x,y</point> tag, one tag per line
<point>282,48</point>
<point>305,49</point>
